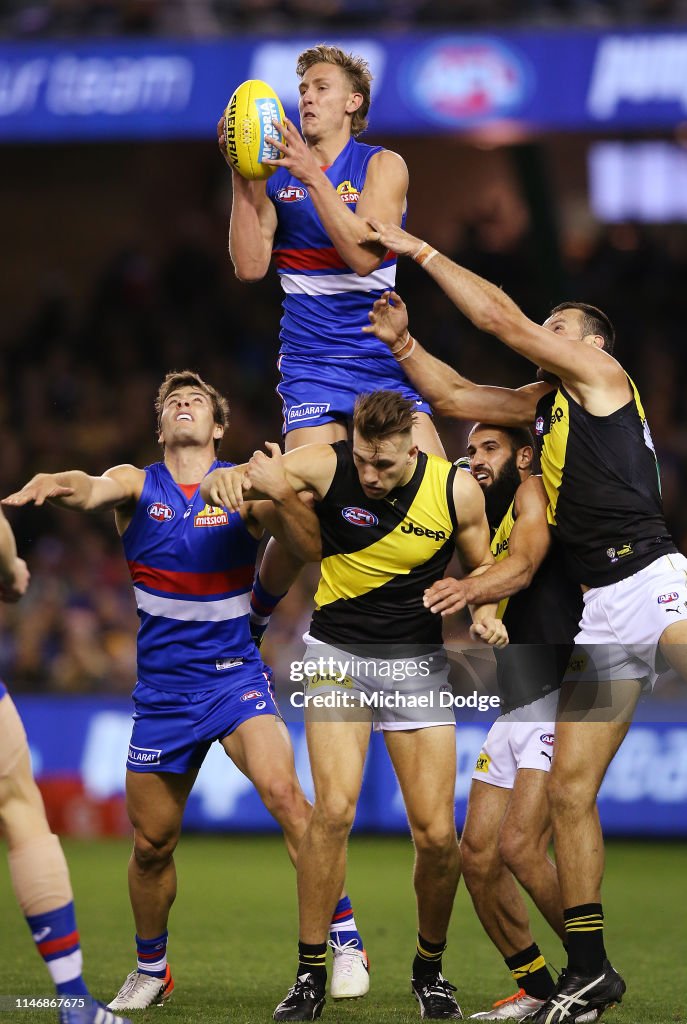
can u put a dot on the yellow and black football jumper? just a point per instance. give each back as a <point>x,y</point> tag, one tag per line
<point>602,481</point>
<point>541,620</point>
<point>379,556</point>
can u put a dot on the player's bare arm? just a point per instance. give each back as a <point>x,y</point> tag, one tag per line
<point>592,376</point>
<point>472,545</point>
<point>528,545</point>
<point>449,393</point>
<point>385,188</point>
<point>252,224</point>
<point>74,489</point>
<point>308,468</point>
<point>14,574</point>
<point>286,516</point>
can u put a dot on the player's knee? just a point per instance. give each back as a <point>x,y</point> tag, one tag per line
<point>476,864</point>
<point>154,851</point>
<point>436,839</point>
<point>334,813</point>
<point>285,801</point>
<point>570,793</point>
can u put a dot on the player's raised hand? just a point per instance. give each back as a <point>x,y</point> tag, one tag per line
<point>490,631</point>
<point>267,473</point>
<point>39,488</point>
<point>446,596</point>
<point>393,237</point>
<point>296,157</point>
<point>388,320</point>
<point>224,488</point>
<point>15,587</point>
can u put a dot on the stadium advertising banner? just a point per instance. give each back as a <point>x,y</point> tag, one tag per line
<point>425,83</point>
<point>80,765</point>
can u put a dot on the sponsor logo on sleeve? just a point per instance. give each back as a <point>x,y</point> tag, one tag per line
<point>160,512</point>
<point>359,516</point>
<point>483,762</point>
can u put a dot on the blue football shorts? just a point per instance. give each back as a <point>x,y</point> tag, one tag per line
<point>317,391</point>
<point>173,731</point>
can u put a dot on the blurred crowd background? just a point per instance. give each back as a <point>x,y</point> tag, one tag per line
<point>117,271</point>
<point>32,18</point>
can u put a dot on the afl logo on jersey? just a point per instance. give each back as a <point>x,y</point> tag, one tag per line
<point>291,194</point>
<point>359,516</point>
<point>539,425</point>
<point>160,512</point>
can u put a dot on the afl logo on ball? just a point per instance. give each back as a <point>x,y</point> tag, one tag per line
<point>359,516</point>
<point>160,513</point>
<point>291,194</point>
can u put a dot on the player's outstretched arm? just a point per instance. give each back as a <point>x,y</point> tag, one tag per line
<point>309,468</point>
<point>288,516</point>
<point>528,545</point>
<point>491,310</point>
<point>14,574</point>
<point>449,393</point>
<point>77,490</point>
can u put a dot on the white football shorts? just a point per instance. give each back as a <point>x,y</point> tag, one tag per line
<point>524,738</point>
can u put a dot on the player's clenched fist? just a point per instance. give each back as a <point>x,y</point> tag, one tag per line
<point>225,487</point>
<point>267,473</point>
<point>38,490</point>
<point>490,631</point>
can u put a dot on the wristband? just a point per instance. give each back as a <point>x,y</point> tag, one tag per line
<point>424,254</point>
<point>404,350</point>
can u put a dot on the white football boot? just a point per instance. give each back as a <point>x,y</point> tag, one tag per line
<point>350,971</point>
<point>519,1006</point>
<point>140,991</point>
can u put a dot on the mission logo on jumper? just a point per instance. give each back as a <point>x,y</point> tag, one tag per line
<point>348,193</point>
<point>211,516</point>
<point>143,755</point>
<point>306,411</point>
<point>160,512</point>
<point>291,194</point>
<point>359,516</point>
<point>466,79</point>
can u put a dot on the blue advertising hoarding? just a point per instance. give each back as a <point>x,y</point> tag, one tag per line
<point>86,740</point>
<point>424,83</point>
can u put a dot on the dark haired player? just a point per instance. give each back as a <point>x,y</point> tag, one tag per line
<point>601,477</point>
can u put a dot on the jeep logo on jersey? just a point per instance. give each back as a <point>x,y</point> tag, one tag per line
<point>418,531</point>
<point>292,194</point>
<point>252,695</point>
<point>547,738</point>
<point>347,192</point>
<point>160,512</point>
<point>359,516</point>
<point>668,598</point>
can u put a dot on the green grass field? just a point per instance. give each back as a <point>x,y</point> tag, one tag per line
<point>233,933</point>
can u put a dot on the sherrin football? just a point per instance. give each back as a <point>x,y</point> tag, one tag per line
<point>249,131</point>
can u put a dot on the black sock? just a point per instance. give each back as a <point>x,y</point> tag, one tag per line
<point>311,960</point>
<point>530,972</point>
<point>427,962</point>
<point>584,926</point>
